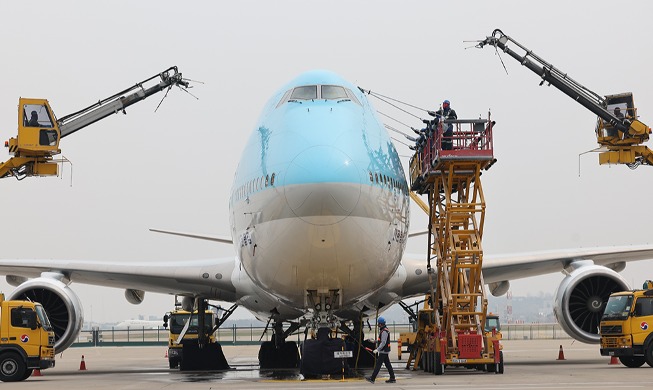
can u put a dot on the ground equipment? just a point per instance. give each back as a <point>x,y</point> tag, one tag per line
<point>192,344</point>
<point>619,132</point>
<point>447,168</point>
<point>26,339</point>
<point>627,326</point>
<point>39,131</point>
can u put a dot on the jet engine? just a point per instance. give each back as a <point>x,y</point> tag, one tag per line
<point>581,299</point>
<point>60,302</point>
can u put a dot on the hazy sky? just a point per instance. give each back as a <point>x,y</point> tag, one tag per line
<point>173,169</point>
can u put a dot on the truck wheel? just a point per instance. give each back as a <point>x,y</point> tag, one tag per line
<point>648,355</point>
<point>28,373</point>
<point>632,361</point>
<point>438,368</point>
<point>12,367</point>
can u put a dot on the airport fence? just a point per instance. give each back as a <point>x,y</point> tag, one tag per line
<point>253,335</point>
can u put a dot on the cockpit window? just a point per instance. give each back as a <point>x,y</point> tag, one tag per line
<point>353,97</point>
<point>305,93</point>
<point>333,92</point>
<point>321,92</point>
<point>284,98</point>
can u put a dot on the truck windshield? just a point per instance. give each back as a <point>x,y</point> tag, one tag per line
<point>43,318</point>
<point>618,307</point>
<point>177,322</point>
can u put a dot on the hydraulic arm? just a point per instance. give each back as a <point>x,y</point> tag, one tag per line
<point>39,132</point>
<point>618,130</point>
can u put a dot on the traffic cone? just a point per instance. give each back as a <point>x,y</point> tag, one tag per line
<point>166,356</point>
<point>613,360</point>
<point>561,354</point>
<point>37,372</point>
<point>82,365</point>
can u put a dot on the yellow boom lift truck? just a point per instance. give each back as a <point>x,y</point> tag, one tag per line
<point>619,132</point>
<point>627,326</point>
<point>26,339</point>
<point>39,130</point>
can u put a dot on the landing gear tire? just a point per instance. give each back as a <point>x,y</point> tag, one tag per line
<point>285,357</point>
<point>632,361</point>
<point>173,363</point>
<point>12,367</point>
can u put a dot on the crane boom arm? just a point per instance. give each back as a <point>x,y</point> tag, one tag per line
<point>118,102</point>
<point>552,75</point>
<point>620,136</point>
<point>39,132</point>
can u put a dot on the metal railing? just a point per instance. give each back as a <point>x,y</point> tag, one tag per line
<point>250,335</point>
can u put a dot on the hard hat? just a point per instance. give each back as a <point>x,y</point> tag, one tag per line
<point>445,102</point>
<point>381,320</point>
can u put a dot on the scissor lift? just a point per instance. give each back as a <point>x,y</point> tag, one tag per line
<point>448,170</point>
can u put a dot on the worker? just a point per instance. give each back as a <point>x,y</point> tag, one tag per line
<point>383,352</point>
<point>33,120</point>
<point>446,112</point>
<point>618,113</point>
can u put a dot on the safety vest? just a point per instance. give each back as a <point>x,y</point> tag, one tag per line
<point>378,341</point>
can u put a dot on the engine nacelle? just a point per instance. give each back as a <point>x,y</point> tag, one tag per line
<point>581,299</point>
<point>60,302</point>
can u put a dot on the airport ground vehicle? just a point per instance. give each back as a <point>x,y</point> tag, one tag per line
<point>627,326</point>
<point>183,329</point>
<point>26,339</point>
<point>451,327</point>
<point>39,131</point>
<point>619,132</point>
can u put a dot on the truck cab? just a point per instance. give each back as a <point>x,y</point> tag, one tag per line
<point>26,339</point>
<point>627,327</point>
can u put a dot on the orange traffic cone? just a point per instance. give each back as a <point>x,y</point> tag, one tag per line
<point>82,365</point>
<point>166,356</point>
<point>37,372</point>
<point>561,354</point>
<point>613,360</point>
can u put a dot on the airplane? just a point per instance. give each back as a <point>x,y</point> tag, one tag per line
<point>139,324</point>
<point>319,217</point>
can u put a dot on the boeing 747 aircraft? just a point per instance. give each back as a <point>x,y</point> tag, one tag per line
<point>319,218</point>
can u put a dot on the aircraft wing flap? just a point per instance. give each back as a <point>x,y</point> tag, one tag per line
<point>211,278</point>
<point>497,269</point>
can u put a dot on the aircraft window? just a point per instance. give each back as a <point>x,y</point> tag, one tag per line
<point>333,92</point>
<point>305,93</point>
<point>285,98</point>
<point>353,97</point>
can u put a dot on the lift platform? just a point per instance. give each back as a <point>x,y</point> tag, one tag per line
<point>447,168</point>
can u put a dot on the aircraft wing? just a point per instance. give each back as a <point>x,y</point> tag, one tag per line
<point>505,268</point>
<point>209,277</point>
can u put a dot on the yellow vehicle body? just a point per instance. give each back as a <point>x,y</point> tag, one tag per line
<point>627,327</point>
<point>26,340</point>
<point>36,143</point>
<point>177,320</point>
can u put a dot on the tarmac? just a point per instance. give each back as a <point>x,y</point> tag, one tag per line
<point>529,364</point>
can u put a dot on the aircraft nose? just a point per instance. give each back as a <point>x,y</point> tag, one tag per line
<point>322,185</point>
